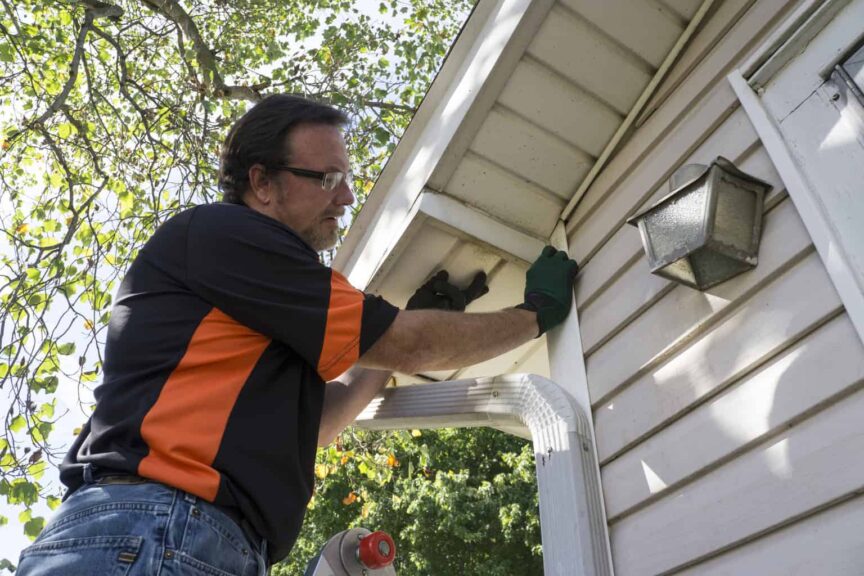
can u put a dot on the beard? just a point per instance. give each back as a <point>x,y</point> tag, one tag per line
<point>322,237</point>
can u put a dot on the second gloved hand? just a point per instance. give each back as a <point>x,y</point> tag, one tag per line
<point>438,293</point>
<point>549,288</point>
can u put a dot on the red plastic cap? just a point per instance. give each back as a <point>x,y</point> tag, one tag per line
<point>376,550</point>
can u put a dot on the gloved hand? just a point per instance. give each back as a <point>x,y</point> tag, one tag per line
<point>549,288</point>
<point>438,293</point>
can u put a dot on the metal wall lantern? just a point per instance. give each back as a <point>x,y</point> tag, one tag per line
<point>707,229</point>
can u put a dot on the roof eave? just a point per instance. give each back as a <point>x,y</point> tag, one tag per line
<point>490,45</point>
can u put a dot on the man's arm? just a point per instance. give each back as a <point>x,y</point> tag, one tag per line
<point>346,397</point>
<point>421,340</point>
<point>437,340</point>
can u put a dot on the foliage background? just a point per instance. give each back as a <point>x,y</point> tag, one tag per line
<point>457,502</point>
<point>111,116</point>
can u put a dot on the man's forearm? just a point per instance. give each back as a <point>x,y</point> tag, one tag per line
<point>346,397</point>
<point>438,340</point>
<point>421,340</point>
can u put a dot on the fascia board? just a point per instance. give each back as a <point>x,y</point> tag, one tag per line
<point>480,226</point>
<point>461,220</point>
<point>385,217</point>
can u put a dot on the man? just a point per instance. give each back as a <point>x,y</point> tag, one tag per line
<point>198,458</point>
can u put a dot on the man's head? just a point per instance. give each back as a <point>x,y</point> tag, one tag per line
<point>280,134</point>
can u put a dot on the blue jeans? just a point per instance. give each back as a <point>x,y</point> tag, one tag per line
<point>141,529</point>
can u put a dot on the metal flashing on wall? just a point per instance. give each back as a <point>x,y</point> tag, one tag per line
<point>790,40</point>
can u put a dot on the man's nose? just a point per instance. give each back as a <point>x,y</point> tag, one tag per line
<point>344,196</point>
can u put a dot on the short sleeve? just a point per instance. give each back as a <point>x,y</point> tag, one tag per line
<point>261,274</point>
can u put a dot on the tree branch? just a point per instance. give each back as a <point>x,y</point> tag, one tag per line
<point>390,106</point>
<point>93,10</point>
<point>211,77</point>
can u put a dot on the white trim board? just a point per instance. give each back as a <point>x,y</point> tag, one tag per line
<point>825,237</point>
<point>461,221</point>
<point>567,367</point>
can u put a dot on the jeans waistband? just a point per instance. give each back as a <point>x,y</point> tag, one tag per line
<point>101,476</point>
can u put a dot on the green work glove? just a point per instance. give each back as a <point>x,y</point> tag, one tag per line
<point>438,293</point>
<point>549,288</point>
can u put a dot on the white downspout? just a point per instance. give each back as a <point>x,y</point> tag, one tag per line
<point>567,368</point>
<point>572,522</point>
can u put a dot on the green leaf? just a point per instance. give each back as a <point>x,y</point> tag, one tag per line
<point>40,432</point>
<point>53,502</point>
<point>65,129</point>
<point>48,384</point>
<point>46,411</point>
<point>23,492</point>
<point>126,203</point>
<point>6,462</point>
<point>66,349</point>
<point>37,470</point>
<point>18,423</point>
<point>33,527</point>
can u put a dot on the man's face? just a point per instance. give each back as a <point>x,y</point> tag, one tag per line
<point>301,203</point>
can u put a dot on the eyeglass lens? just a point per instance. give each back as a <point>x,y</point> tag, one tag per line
<point>334,179</point>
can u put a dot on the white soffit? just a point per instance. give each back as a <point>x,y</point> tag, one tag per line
<point>494,35</point>
<point>446,234</point>
<point>528,99</point>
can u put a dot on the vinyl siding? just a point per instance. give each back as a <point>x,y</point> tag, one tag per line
<point>728,421</point>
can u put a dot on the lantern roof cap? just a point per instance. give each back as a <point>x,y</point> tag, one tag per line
<point>721,162</point>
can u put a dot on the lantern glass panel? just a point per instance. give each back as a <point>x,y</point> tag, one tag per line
<point>680,226</point>
<point>735,216</point>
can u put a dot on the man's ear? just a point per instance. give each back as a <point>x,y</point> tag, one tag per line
<point>260,184</point>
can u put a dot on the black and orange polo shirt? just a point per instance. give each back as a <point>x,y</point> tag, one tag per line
<point>221,337</point>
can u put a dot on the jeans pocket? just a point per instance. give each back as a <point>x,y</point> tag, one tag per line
<point>214,545</point>
<point>105,520</point>
<point>108,555</point>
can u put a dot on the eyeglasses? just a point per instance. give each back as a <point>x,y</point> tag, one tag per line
<point>329,180</point>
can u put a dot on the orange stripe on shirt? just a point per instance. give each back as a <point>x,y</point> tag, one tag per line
<point>341,346</point>
<point>185,426</point>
